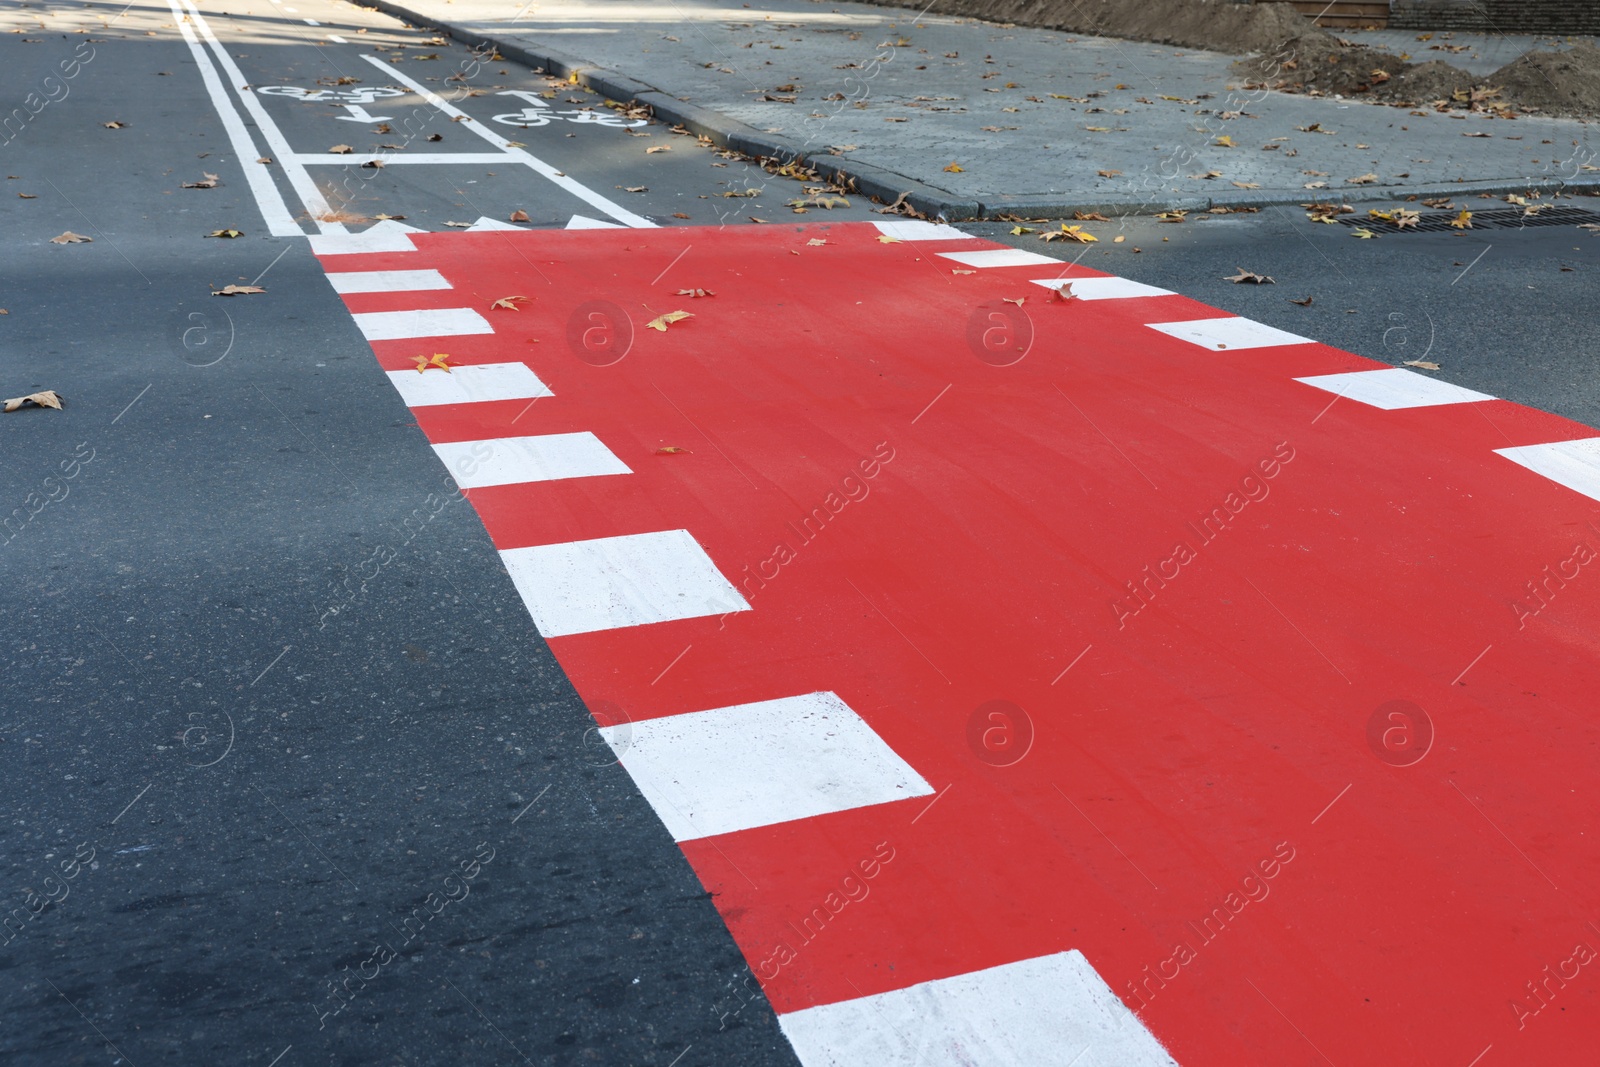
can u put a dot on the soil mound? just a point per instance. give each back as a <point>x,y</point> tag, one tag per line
<point>1559,83</point>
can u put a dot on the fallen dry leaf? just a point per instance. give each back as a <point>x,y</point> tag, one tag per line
<point>238,290</point>
<point>816,241</point>
<point>1224,141</point>
<point>1365,179</point>
<point>1018,231</point>
<point>1439,202</point>
<point>1173,216</point>
<point>520,215</point>
<point>694,292</point>
<point>679,215</point>
<point>460,225</point>
<point>28,196</point>
<point>1070,233</point>
<point>1463,221</point>
<point>208,182</point>
<point>634,188</point>
<point>1303,303</point>
<point>341,150</point>
<point>1013,300</point>
<point>1249,276</point>
<point>1424,364</point>
<point>1248,185</point>
<point>672,450</point>
<point>373,164</point>
<point>225,233</point>
<point>1316,185</point>
<point>829,202</point>
<point>509,303</point>
<point>958,270</point>
<point>381,217</point>
<point>44,399</point>
<point>264,159</point>
<point>1109,173</point>
<point>1065,292</point>
<point>885,239</point>
<point>70,238</point>
<point>435,136</point>
<point>663,321</point>
<point>653,149</point>
<point>954,168</point>
<point>437,360</point>
<point>1363,233</point>
<point>1089,216</point>
<point>114,125</point>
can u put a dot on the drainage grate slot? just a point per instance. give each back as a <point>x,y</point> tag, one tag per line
<point>1492,219</point>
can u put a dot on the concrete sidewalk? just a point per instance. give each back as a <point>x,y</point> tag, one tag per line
<point>1037,121</point>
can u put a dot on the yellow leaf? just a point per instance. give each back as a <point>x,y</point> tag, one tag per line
<point>226,233</point>
<point>816,241</point>
<point>508,302</point>
<point>1224,141</point>
<point>1462,221</point>
<point>1363,233</point>
<point>662,322</point>
<point>885,239</point>
<point>671,450</point>
<point>438,360</point>
<point>954,168</point>
<point>1017,231</point>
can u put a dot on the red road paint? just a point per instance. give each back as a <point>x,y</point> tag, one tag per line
<point>1195,743</point>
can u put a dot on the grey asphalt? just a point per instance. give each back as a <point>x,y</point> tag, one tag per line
<point>1030,117</point>
<point>217,796</point>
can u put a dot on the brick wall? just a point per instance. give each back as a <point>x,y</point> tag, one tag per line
<point>1507,16</point>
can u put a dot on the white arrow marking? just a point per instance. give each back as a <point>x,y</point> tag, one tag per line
<point>359,114</point>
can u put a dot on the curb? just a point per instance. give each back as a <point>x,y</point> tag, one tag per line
<point>889,186</point>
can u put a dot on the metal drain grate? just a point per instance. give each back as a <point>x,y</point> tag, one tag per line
<point>1493,219</point>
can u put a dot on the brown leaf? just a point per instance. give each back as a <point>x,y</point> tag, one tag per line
<point>672,450</point>
<point>238,290</point>
<point>1173,216</point>
<point>679,215</point>
<point>341,150</point>
<point>1070,233</point>
<point>520,215</point>
<point>225,233</point>
<point>374,164</point>
<point>28,196</point>
<point>1089,216</point>
<point>46,399</point>
<point>114,125</point>
<point>1424,364</point>
<point>694,292</point>
<point>435,136</point>
<point>264,159</point>
<point>208,182</point>
<point>1248,185</point>
<point>1365,179</point>
<point>1249,276</point>
<point>653,149</point>
<point>509,303</point>
<point>70,238</point>
<point>1065,292</point>
<point>634,188</point>
<point>661,322</point>
<point>1109,173</point>
<point>1462,221</point>
<point>381,217</point>
<point>1010,300</point>
<point>460,225</point>
<point>1303,303</point>
<point>816,241</point>
<point>384,127</point>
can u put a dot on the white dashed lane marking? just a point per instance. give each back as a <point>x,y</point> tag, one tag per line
<point>512,460</point>
<point>911,230</point>
<point>1229,334</point>
<point>1103,288</point>
<point>1001,257</point>
<point>1050,1011</point>
<point>425,322</point>
<point>578,587</point>
<point>1574,464</point>
<point>386,281</point>
<point>1394,389</point>
<point>736,768</point>
<point>466,385</point>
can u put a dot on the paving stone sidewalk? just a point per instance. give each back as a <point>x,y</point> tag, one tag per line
<point>974,117</point>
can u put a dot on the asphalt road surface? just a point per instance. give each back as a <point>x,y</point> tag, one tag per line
<point>290,774</point>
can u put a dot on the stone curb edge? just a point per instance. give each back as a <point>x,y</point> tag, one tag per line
<point>889,186</point>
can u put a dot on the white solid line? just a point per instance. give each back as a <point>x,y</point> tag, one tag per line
<point>299,179</point>
<point>1331,803</point>
<point>336,39</point>
<point>268,200</point>
<point>576,188</point>
<point>393,159</point>
<point>309,22</point>
<point>386,281</point>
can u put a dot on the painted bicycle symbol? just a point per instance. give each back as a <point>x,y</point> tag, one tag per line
<point>538,113</point>
<point>332,96</point>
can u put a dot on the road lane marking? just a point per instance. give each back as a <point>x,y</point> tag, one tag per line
<point>486,224</point>
<point>1024,1014</point>
<point>468,385</point>
<point>910,230</point>
<point>1001,257</point>
<point>386,236</point>
<point>274,212</point>
<point>315,203</point>
<point>424,322</point>
<point>579,222</point>
<point>1229,334</point>
<point>394,159</point>
<point>539,166</point>
<point>514,460</point>
<point>579,587</point>
<point>1394,389</point>
<point>1109,288</point>
<point>336,39</point>
<point>1574,464</point>
<point>736,768</point>
<point>386,281</point>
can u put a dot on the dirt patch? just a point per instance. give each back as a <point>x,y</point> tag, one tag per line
<point>1554,83</point>
<point>1215,25</point>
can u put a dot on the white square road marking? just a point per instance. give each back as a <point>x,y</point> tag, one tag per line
<point>512,460</point>
<point>1574,464</point>
<point>729,769</point>
<point>911,230</point>
<point>1001,257</point>
<point>467,385</point>
<point>1103,288</point>
<point>1051,1011</point>
<point>578,587</point>
<point>1229,334</point>
<point>427,322</point>
<point>386,236</point>
<point>1394,388</point>
<point>386,281</point>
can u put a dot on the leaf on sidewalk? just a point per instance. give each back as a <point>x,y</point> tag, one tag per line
<point>509,303</point>
<point>238,290</point>
<point>439,360</point>
<point>45,399</point>
<point>954,168</point>
<point>1089,216</point>
<point>1365,179</point>
<point>70,238</point>
<point>1248,185</point>
<point>1223,142</point>
<point>1173,216</point>
<point>663,321</point>
<point>1249,276</point>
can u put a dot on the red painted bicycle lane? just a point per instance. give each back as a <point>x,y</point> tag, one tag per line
<point>1213,715</point>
